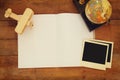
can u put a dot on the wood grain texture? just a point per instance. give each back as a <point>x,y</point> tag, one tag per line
<point>110,32</point>
<point>8,47</point>
<point>7,31</point>
<point>8,43</point>
<point>9,70</point>
<point>48,6</point>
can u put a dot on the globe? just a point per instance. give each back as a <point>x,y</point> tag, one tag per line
<point>98,11</point>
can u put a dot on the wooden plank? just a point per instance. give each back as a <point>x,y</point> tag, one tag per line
<point>115,35</point>
<point>110,32</point>
<point>109,74</point>
<point>8,47</point>
<point>8,43</point>
<point>48,6</point>
<point>102,32</point>
<point>115,9</point>
<point>66,6</point>
<point>53,73</point>
<point>80,73</point>
<point>38,6</point>
<point>113,74</point>
<point>7,30</point>
<point>9,70</point>
<point>8,61</point>
<point>61,73</point>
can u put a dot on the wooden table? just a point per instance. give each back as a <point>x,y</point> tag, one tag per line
<point>9,52</point>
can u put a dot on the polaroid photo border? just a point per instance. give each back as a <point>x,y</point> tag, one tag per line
<point>92,64</point>
<point>110,51</point>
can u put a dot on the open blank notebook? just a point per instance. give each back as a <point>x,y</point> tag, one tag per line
<point>54,41</point>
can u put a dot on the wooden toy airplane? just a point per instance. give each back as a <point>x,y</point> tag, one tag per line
<point>23,21</point>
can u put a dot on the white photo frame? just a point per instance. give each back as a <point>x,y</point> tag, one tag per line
<point>93,64</point>
<point>108,64</point>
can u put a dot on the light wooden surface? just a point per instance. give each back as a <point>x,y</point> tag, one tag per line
<point>8,43</point>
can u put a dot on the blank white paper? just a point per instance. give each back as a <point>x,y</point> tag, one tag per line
<point>54,41</point>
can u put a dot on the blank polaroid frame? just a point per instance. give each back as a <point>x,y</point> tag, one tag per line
<point>110,51</point>
<point>92,57</point>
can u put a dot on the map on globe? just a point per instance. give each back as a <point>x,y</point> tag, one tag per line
<point>95,13</point>
<point>98,11</point>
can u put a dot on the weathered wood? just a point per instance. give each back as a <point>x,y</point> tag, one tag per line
<point>7,30</point>
<point>9,70</point>
<point>80,73</point>
<point>8,47</point>
<point>8,61</point>
<point>115,9</point>
<point>110,32</point>
<point>9,52</point>
<point>48,6</point>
